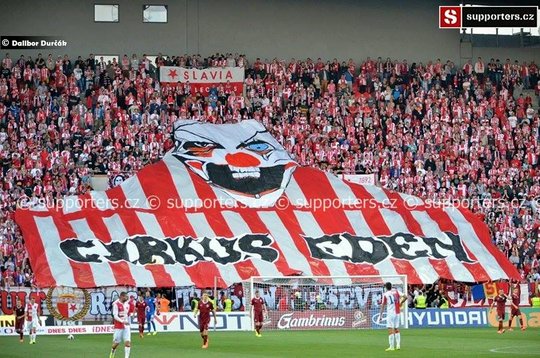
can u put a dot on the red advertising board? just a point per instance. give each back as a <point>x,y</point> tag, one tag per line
<point>323,319</point>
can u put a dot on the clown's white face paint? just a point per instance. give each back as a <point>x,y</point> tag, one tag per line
<point>242,159</point>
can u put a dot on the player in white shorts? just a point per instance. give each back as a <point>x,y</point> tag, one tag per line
<point>122,330</point>
<point>32,319</point>
<point>392,299</point>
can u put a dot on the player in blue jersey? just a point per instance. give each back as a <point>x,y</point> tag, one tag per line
<point>151,304</point>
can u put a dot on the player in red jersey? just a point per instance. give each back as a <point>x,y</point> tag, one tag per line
<point>514,310</point>
<point>258,310</point>
<point>141,314</point>
<point>204,307</point>
<point>500,300</point>
<point>19,319</point>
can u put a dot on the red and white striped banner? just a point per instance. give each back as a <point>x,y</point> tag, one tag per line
<point>231,78</point>
<point>229,202</point>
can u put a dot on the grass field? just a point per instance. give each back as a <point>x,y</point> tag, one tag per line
<point>306,344</point>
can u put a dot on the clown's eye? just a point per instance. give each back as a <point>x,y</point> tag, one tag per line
<point>258,146</point>
<point>202,144</point>
<point>200,148</point>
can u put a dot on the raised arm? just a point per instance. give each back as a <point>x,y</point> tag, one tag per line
<point>403,299</point>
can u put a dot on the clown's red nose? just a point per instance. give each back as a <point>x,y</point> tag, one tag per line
<point>242,160</point>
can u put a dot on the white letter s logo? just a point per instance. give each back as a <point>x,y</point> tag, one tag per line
<point>450,17</point>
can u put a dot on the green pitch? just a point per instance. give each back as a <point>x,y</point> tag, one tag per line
<point>306,344</point>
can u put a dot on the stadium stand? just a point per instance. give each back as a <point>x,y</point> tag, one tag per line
<point>469,135</point>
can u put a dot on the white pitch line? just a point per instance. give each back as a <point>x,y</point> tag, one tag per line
<point>514,349</point>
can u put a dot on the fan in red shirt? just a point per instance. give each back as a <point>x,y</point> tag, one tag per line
<point>500,300</point>
<point>258,308</point>
<point>514,310</point>
<point>204,307</point>
<point>140,306</point>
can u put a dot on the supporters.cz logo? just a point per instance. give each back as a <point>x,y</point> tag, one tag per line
<point>449,17</point>
<point>455,17</point>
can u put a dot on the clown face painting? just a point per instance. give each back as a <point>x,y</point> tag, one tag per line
<point>242,159</point>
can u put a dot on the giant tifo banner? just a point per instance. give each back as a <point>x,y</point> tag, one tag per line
<point>228,202</point>
<point>202,80</point>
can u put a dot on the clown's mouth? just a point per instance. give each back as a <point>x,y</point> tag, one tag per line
<point>247,180</point>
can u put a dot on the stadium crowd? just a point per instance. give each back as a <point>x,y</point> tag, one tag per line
<point>436,130</point>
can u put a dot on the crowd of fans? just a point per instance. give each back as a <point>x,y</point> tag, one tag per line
<point>436,130</point>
